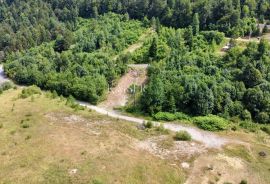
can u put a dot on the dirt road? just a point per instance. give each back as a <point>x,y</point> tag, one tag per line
<point>119,94</point>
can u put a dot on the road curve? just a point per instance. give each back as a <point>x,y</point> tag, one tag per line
<point>209,139</point>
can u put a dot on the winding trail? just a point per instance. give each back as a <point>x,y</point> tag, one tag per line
<point>209,139</point>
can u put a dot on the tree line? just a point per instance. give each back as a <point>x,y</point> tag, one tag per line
<point>28,23</point>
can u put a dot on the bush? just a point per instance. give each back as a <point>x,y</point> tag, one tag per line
<point>1,125</point>
<point>243,182</point>
<point>211,123</point>
<point>165,116</point>
<point>263,117</point>
<point>25,125</point>
<point>32,90</point>
<point>148,124</point>
<point>182,116</point>
<point>182,136</point>
<point>246,115</point>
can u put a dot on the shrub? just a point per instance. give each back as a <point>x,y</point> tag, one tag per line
<point>32,90</point>
<point>25,125</point>
<point>243,182</point>
<point>165,116</point>
<point>148,124</point>
<point>182,136</point>
<point>211,123</point>
<point>28,137</point>
<point>182,116</point>
<point>1,125</point>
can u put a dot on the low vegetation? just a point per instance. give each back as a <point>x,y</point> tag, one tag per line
<point>6,86</point>
<point>212,123</point>
<point>182,136</point>
<point>46,141</point>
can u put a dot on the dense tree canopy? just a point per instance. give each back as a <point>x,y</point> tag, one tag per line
<point>80,63</point>
<point>27,23</point>
<point>191,78</point>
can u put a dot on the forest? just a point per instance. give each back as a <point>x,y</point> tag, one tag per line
<point>28,23</point>
<point>74,47</point>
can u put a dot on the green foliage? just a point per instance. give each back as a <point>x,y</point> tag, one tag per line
<point>148,124</point>
<point>165,116</point>
<point>162,129</point>
<point>211,36</point>
<point>211,123</point>
<point>25,125</point>
<point>193,80</point>
<point>81,63</point>
<point>29,91</point>
<point>243,182</point>
<point>182,136</point>
<point>182,116</point>
<point>248,125</point>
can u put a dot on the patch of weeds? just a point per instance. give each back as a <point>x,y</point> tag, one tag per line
<point>4,153</point>
<point>182,136</point>
<point>162,129</point>
<point>83,152</point>
<point>28,137</point>
<point>56,174</point>
<point>28,114</point>
<point>1,125</point>
<point>25,125</point>
<point>243,182</point>
<point>30,91</point>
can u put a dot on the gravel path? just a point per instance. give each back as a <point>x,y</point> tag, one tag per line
<point>209,139</point>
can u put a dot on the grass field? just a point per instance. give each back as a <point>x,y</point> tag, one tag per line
<point>44,141</point>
